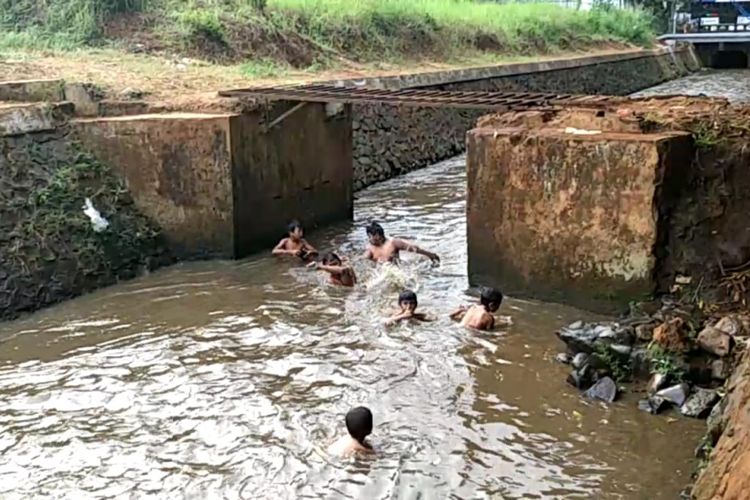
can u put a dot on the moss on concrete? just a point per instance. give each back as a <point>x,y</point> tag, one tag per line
<point>48,248</point>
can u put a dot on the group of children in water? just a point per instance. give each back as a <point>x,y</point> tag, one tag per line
<point>380,249</point>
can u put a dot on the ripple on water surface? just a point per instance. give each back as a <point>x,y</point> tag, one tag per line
<point>229,379</point>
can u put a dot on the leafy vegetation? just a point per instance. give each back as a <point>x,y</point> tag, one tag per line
<point>666,363</point>
<point>363,30</point>
<point>618,366</point>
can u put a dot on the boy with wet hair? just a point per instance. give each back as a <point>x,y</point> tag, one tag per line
<point>295,243</point>
<point>359,426</point>
<point>480,316</point>
<point>338,273</point>
<point>407,302</point>
<point>382,249</point>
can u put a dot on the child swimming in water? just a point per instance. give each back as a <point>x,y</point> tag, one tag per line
<point>407,301</point>
<point>338,273</point>
<point>480,316</point>
<point>382,249</point>
<point>359,426</point>
<point>295,243</point>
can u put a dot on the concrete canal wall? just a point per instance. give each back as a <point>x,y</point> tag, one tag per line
<point>389,141</point>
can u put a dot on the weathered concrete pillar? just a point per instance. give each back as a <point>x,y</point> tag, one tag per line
<point>225,185</point>
<point>569,218</point>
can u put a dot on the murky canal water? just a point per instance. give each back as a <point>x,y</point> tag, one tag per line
<point>229,379</point>
<point>732,84</point>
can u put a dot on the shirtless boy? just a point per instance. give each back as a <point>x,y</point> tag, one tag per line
<point>338,273</point>
<point>407,302</point>
<point>382,249</point>
<point>479,316</point>
<point>359,426</point>
<point>295,243</point>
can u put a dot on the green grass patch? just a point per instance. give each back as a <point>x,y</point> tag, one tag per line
<point>264,68</point>
<point>363,30</point>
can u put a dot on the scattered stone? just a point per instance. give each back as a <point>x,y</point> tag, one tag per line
<point>615,334</point>
<point>676,394</point>
<point>605,390</point>
<point>623,351</point>
<point>720,369</point>
<point>581,379</point>
<point>657,382</point>
<point>700,403</point>
<point>653,405</point>
<point>644,333</point>
<point>579,360</point>
<point>730,325</point>
<point>715,341</point>
<point>579,337</point>
<point>671,336</point>
<point>563,358</point>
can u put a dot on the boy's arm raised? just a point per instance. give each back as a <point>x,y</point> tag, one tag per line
<point>410,247</point>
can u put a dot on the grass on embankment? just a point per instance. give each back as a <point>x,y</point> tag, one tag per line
<point>306,32</point>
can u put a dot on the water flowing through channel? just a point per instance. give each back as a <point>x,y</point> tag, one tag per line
<point>229,379</point>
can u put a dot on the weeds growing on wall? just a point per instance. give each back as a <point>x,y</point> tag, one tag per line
<point>48,248</point>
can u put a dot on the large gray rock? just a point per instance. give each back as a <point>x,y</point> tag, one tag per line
<point>676,394</point>
<point>605,390</point>
<point>700,403</point>
<point>715,421</point>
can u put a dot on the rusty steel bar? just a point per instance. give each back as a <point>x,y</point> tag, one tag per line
<point>420,98</point>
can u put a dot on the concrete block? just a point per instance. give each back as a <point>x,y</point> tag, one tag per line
<point>17,119</point>
<point>32,91</point>
<point>223,185</point>
<point>569,218</point>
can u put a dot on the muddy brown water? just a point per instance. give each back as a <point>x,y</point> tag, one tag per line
<point>229,379</point>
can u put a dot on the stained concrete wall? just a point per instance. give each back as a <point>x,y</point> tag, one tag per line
<point>569,218</point>
<point>225,185</point>
<point>389,141</point>
<point>299,169</point>
<point>178,169</point>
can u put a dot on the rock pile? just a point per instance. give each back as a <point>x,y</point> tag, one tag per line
<point>684,358</point>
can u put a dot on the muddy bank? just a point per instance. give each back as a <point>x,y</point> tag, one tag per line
<point>49,250</point>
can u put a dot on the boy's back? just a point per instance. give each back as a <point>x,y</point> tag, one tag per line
<point>477,317</point>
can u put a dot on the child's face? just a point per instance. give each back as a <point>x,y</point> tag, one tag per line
<point>297,234</point>
<point>376,239</point>
<point>408,306</point>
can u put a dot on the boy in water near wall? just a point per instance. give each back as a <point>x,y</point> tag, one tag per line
<point>382,249</point>
<point>339,273</point>
<point>480,316</point>
<point>295,243</point>
<point>359,426</point>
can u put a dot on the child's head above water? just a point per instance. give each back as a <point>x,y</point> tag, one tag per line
<point>407,300</point>
<point>375,233</point>
<point>359,423</point>
<point>331,259</point>
<point>296,232</point>
<point>491,299</point>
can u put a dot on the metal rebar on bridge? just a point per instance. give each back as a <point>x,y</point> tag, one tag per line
<point>421,97</point>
